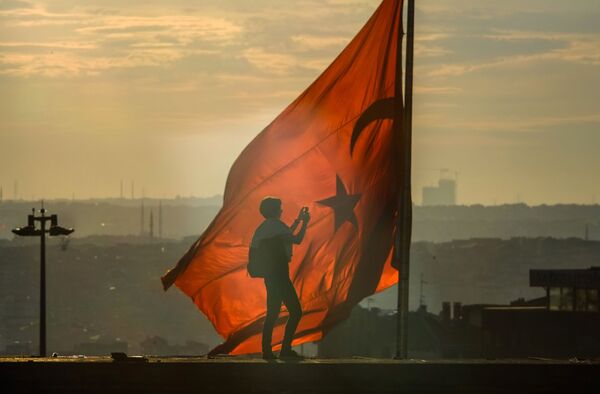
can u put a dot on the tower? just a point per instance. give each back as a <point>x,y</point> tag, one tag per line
<point>160,223</point>
<point>422,293</point>
<point>16,190</point>
<point>151,223</point>
<point>121,189</point>
<point>142,220</point>
<point>132,189</point>
<point>587,232</point>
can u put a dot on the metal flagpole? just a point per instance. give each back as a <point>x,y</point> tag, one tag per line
<point>404,225</point>
<point>42,220</point>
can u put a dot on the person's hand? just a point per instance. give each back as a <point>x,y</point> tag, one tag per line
<point>305,215</point>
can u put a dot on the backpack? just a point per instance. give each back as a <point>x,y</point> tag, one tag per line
<point>264,259</point>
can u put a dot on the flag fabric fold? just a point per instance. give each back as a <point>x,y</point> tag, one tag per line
<point>335,150</point>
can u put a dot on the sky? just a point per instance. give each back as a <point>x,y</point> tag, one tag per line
<point>168,92</point>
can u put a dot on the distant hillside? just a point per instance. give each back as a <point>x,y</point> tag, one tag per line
<point>445,223</point>
<point>180,217</point>
<point>190,216</point>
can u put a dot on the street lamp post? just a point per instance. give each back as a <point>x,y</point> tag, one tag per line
<point>31,231</point>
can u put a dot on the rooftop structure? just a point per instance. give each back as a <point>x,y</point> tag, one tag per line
<point>569,289</point>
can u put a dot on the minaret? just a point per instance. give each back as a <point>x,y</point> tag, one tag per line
<point>160,219</point>
<point>142,220</point>
<point>587,232</point>
<point>16,190</point>
<point>121,189</point>
<point>1,193</point>
<point>132,189</point>
<point>151,223</point>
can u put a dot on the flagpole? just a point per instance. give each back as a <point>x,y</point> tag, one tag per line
<point>404,232</point>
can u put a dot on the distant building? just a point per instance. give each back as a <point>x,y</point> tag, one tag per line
<point>566,322</point>
<point>442,194</point>
<point>569,289</point>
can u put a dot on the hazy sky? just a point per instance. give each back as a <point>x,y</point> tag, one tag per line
<point>168,92</point>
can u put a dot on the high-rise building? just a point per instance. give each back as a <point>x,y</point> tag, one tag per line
<point>442,194</point>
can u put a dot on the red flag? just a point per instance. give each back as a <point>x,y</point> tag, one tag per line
<point>334,150</point>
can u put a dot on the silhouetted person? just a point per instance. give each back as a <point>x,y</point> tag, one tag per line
<point>278,238</point>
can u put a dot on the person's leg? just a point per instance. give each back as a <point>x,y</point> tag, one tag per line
<point>273,308</point>
<point>292,303</point>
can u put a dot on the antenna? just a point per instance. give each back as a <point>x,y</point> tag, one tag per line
<point>443,171</point>
<point>142,220</point>
<point>151,223</point>
<point>422,293</point>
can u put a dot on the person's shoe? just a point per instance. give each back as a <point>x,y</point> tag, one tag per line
<point>289,354</point>
<point>269,356</point>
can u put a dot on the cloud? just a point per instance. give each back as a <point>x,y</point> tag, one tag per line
<point>312,42</point>
<point>39,16</point>
<point>507,124</point>
<point>275,63</point>
<point>90,42</point>
<point>577,48</point>
<point>14,4</point>
<point>20,45</point>
<point>437,90</point>
<point>66,64</point>
<point>185,29</point>
<point>422,50</point>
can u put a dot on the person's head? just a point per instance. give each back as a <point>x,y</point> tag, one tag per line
<point>270,208</point>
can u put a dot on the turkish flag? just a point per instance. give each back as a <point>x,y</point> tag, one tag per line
<point>334,150</point>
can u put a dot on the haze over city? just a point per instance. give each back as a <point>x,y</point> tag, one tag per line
<point>168,93</point>
<point>311,196</point>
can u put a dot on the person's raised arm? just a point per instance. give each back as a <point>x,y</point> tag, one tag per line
<point>294,225</point>
<point>303,217</point>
